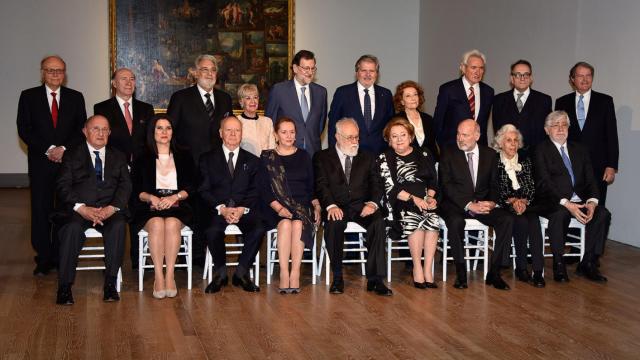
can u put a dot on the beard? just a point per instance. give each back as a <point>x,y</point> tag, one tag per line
<point>206,83</point>
<point>351,150</point>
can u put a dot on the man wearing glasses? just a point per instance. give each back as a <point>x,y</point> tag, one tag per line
<point>522,106</point>
<point>49,121</point>
<point>302,100</point>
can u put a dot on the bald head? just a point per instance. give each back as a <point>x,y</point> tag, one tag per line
<point>96,130</point>
<point>231,132</point>
<point>468,134</point>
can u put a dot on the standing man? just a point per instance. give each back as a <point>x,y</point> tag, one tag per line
<point>302,100</point>
<point>469,180</point>
<point>593,124</point>
<point>229,188</point>
<point>128,123</point>
<point>349,188</point>
<point>464,98</point>
<point>94,188</point>
<point>50,119</point>
<point>369,104</point>
<point>522,106</point>
<point>196,112</point>
<point>565,175</point>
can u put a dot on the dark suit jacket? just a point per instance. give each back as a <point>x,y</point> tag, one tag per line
<point>530,121</point>
<point>332,186</point>
<point>77,182</point>
<point>553,181</point>
<point>452,107</point>
<point>346,103</point>
<point>600,132</point>
<point>191,124</point>
<point>284,101</point>
<point>218,187</point>
<point>35,125</point>
<point>456,185</point>
<point>129,144</point>
<point>429,132</point>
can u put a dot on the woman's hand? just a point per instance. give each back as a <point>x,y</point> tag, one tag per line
<point>432,203</point>
<point>167,201</point>
<point>154,202</point>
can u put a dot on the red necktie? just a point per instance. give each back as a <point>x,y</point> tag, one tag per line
<point>127,117</point>
<point>54,110</point>
<point>472,102</point>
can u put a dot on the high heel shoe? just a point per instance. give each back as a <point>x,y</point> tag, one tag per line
<point>171,293</point>
<point>283,291</point>
<point>419,285</point>
<point>293,291</point>
<point>159,294</point>
<point>431,285</point>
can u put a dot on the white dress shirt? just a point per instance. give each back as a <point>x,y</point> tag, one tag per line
<point>372,96</point>
<point>306,92</point>
<point>525,95</point>
<point>586,99</point>
<point>204,98</point>
<point>575,198</point>
<point>476,93</point>
<point>121,102</point>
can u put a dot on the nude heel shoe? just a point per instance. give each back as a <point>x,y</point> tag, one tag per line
<point>160,294</point>
<point>171,293</point>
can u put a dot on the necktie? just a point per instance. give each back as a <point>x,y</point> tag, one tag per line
<point>98,166</point>
<point>230,164</point>
<point>471,171</point>
<point>54,110</point>
<point>304,104</point>
<point>209,106</point>
<point>128,118</point>
<point>347,168</point>
<point>472,102</point>
<point>567,164</point>
<point>580,112</point>
<point>519,103</point>
<point>367,109</point>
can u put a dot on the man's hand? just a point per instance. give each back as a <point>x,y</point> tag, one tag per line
<point>335,213</point>
<point>227,214</point>
<point>367,210</point>
<point>576,211</point>
<point>609,175</point>
<point>106,212</point>
<point>55,154</point>
<point>482,207</point>
<point>91,214</point>
<point>591,208</point>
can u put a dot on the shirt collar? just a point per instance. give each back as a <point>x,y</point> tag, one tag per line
<point>226,151</point>
<point>525,93</point>
<point>121,101</point>
<point>558,145</point>
<point>92,149</point>
<point>49,91</point>
<point>467,84</point>
<point>203,92</point>
<point>361,88</point>
<point>586,95</point>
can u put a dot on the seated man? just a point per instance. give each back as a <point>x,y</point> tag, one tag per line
<point>565,175</point>
<point>93,188</point>
<point>229,188</point>
<point>348,187</point>
<point>469,184</point>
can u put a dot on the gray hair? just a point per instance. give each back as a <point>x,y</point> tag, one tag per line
<point>472,53</point>
<point>203,57</point>
<point>346,120</point>
<point>504,130</point>
<point>368,58</point>
<point>556,116</point>
<point>244,89</point>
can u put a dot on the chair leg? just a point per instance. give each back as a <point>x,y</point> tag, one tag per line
<point>140,262</point>
<point>189,241</point>
<point>389,243</point>
<point>314,263</point>
<point>256,276</point>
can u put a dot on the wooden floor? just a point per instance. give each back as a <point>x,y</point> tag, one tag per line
<point>563,321</point>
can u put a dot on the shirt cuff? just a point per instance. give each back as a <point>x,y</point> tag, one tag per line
<point>563,201</point>
<point>593,200</point>
<point>331,206</point>
<point>466,207</point>
<point>372,203</point>
<point>49,149</point>
<point>77,206</point>
<point>246,210</point>
<point>219,207</point>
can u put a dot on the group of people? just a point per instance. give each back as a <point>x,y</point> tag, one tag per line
<point>389,167</point>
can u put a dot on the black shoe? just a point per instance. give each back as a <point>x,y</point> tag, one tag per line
<point>461,276</point>
<point>244,282</point>
<point>337,286</point>
<point>283,291</point>
<point>110,292</point>
<point>420,285</point>
<point>379,287</point>
<point>431,285</point>
<point>590,271</point>
<point>216,284</point>
<point>538,280</point>
<point>293,291</point>
<point>560,272</point>
<point>493,278</point>
<point>65,297</point>
<point>523,275</point>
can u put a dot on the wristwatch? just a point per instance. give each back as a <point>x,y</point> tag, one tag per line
<point>179,196</point>
<point>115,209</point>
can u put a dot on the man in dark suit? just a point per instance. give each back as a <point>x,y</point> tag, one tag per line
<point>522,106</point>
<point>196,112</point>
<point>366,102</point>
<point>302,100</point>
<point>94,188</point>
<point>464,98</point>
<point>128,121</point>
<point>593,124</point>
<point>229,188</point>
<point>50,118</point>
<point>565,176</point>
<point>349,189</point>
<point>468,175</point>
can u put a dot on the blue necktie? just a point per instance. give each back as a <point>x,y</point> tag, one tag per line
<point>580,111</point>
<point>367,109</point>
<point>304,104</point>
<point>98,166</point>
<point>567,164</point>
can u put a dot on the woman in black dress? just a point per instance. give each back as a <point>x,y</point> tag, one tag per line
<point>411,186</point>
<point>163,179</point>
<point>408,101</point>
<point>287,189</point>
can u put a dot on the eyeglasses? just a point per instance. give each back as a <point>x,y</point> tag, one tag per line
<point>97,130</point>
<point>559,126</point>
<point>54,71</point>
<point>350,138</point>
<point>208,71</point>
<point>521,76</point>
<point>307,68</point>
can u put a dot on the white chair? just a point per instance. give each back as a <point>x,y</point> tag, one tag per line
<point>399,245</point>
<point>272,255</point>
<point>577,241</point>
<point>95,252</point>
<point>186,250</point>
<point>232,249</point>
<point>481,247</point>
<point>352,228</point>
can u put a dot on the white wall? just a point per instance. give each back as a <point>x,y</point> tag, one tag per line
<point>553,35</point>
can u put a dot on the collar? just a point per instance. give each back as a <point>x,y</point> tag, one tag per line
<point>474,151</point>
<point>467,85</point>
<point>121,101</point>
<point>361,88</point>
<point>298,86</point>
<point>203,92</point>
<point>525,93</point>
<point>558,145</point>
<point>49,91</point>
<point>226,151</point>
<point>244,115</point>
<point>101,150</point>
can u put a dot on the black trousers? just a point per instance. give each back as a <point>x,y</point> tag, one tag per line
<point>375,242</point>
<point>596,231</point>
<point>72,239</point>
<point>502,222</point>
<point>527,226</point>
<point>252,233</point>
<point>43,186</point>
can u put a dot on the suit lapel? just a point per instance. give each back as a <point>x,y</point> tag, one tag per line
<point>296,97</point>
<point>335,159</point>
<point>355,102</point>
<point>462,163</point>
<point>44,106</point>
<point>461,93</point>
<point>119,119</point>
